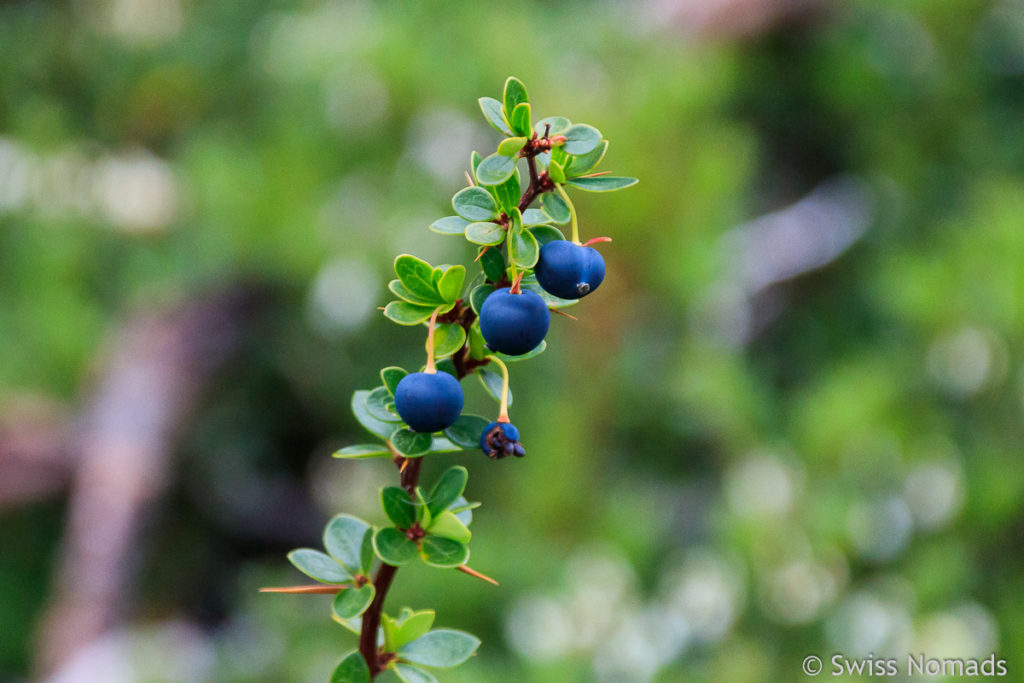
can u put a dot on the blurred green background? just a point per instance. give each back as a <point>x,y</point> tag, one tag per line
<point>788,423</point>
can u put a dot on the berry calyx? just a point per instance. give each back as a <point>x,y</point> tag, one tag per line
<point>429,402</point>
<point>500,440</point>
<point>514,323</point>
<point>569,271</point>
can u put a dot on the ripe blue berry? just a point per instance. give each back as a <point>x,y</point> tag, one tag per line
<point>568,270</point>
<point>514,323</point>
<point>501,439</point>
<point>429,402</point>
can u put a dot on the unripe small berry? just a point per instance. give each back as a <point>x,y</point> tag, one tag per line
<point>501,439</point>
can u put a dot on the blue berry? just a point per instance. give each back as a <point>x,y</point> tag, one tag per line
<point>568,270</point>
<point>501,439</point>
<point>514,323</point>
<point>429,402</point>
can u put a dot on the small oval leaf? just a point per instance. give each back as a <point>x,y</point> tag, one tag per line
<point>353,669</point>
<point>493,170</point>
<point>487,234</point>
<point>393,547</point>
<point>318,565</point>
<point>352,602</point>
<point>444,553</point>
<point>475,204</point>
<point>442,648</point>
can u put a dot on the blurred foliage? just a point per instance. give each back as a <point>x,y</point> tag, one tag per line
<point>843,476</point>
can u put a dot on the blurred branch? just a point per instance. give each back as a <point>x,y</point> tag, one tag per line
<point>154,369</point>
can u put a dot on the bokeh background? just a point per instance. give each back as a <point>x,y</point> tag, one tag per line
<point>788,423</point>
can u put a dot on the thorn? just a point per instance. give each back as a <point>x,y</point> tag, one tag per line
<point>472,572</point>
<point>470,179</point>
<point>482,252</point>
<point>380,308</point>
<point>308,590</point>
<point>555,310</point>
<point>405,463</point>
<point>595,175</point>
<point>595,240</point>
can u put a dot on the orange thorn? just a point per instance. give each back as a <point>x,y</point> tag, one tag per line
<point>482,252</point>
<point>595,175</point>
<point>405,463</point>
<point>308,590</point>
<point>470,179</point>
<point>472,572</point>
<point>555,310</point>
<point>595,240</point>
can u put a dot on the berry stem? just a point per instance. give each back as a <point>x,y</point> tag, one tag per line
<point>572,214</point>
<point>431,368</point>
<point>503,411</point>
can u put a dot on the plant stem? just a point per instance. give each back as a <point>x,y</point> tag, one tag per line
<point>503,411</point>
<point>431,368</point>
<point>572,213</point>
<point>382,581</point>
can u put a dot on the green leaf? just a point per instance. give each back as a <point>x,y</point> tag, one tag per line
<point>556,172</point>
<point>398,507</point>
<point>493,264</point>
<point>421,298</point>
<point>449,225</point>
<point>492,383</point>
<point>477,343</point>
<point>513,95</point>
<point>535,351</point>
<point>493,170</point>
<point>448,338</point>
<point>463,510</point>
<point>520,120</point>
<point>475,204</point>
<point>352,602</point>
<point>405,313</point>
<point>546,233</point>
<point>492,112</point>
<point>377,404</point>
<point>603,183</point>
<point>441,444</point>
<point>555,207</point>
<point>372,424</point>
<point>581,138</point>
<point>523,248</point>
<point>416,274</point>
<point>410,443</point>
<point>535,217</point>
<point>447,525</point>
<point>363,450</point>
<point>451,484</point>
<point>508,193</point>
<point>578,165</point>
<point>559,124</point>
<point>423,515</point>
<point>510,147</point>
<point>318,565</point>
<point>408,673</point>
<point>444,553</point>
<point>442,648</point>
<point>343,539</point>
<point>353,669</point>
<point>487,234</point>
<point>479,295</point>
<point>391,376</point>
<point>366,549</point>
<point>464,432</point>
<point>393,547</point>
<point>450,285</point>
<point>412,627</point>
<point>530,282</point>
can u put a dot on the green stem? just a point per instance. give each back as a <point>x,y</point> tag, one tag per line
<point>503,411</point>
<point>572,213</point>
<point>431,368</point>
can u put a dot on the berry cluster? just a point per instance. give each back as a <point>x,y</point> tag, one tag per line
<point>527,269</point>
